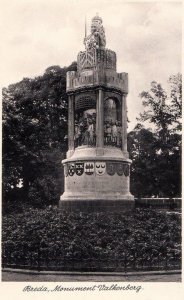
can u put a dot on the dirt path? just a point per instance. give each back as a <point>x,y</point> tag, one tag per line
<point>12,276</point>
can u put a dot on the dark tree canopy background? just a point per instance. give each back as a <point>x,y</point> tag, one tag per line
<point>156,153</point>
<point>35,140</point>
<point>34,137</point>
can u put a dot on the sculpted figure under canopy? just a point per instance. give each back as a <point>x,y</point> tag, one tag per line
<point>97,37</point>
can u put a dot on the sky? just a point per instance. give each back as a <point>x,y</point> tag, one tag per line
<point>146,37</point>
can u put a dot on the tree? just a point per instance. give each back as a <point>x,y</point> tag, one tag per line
<point>141,145</point>
<point>163,112</point>
<point>34,125</point>
<point>176,100</point>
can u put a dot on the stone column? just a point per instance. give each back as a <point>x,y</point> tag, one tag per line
<point>124,123</point>
<point>71,99</point>
<point>99,119</point>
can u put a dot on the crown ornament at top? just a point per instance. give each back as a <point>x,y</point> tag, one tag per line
<point>97,18</point>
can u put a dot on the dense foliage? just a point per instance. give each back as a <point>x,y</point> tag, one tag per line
<point>156,152</point>
<point>142,235</point>
<point>34,136</point>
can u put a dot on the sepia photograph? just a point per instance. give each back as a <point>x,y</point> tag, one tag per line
<point>91,144</point>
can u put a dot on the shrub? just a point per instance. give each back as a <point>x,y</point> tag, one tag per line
<point>143,235</point>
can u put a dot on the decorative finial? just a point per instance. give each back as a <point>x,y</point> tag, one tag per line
<point>97,19</point>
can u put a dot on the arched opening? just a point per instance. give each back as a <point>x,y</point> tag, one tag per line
<point>112,123</point>
<point>85,122</point>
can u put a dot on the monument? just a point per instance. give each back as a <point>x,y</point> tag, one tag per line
<point>97,167</point>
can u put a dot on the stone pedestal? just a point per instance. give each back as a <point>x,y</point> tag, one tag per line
<point>109,185</point>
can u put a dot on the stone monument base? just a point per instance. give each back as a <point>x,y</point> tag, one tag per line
<point>97,179</point>
<point>96,205</point>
